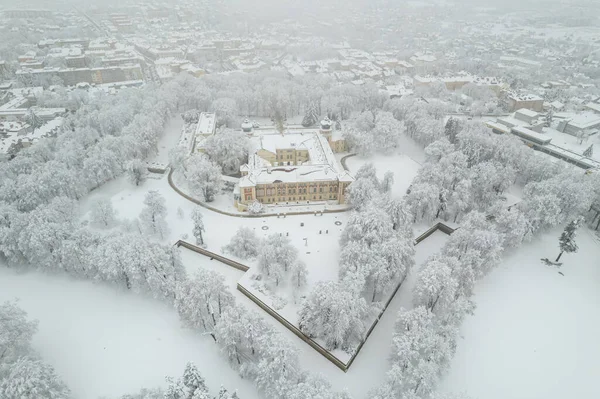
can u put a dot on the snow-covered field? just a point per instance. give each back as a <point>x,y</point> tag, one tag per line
<point>535,332</point>
<point>103,341</point>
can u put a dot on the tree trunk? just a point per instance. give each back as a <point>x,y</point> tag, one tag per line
<point>434,303</point>
<point>559,255</point>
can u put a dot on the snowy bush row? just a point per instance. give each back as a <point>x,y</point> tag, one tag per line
<point>377,254</point>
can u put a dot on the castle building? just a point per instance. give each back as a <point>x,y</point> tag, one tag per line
<point>297,166</point>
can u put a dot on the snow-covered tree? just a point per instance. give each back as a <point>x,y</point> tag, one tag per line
<point>256,207</point>
<point>276,257</point>
<point>244,244</point>
<point>131,261</point>
<point>370,227</point>
<point>278,370</point>
<point>203,176</point>
<point>422,346</point>
<point>360,193</point>
<point>202,300</point>
<point>29,378</point>
<point>514,227</point>
<point>242,335</point>
<point>177,157</point>
<point>436,285</point>
<point>312,386</point>
<point>589,151</point>
<point>102,213</point>
<point>387,182</point>
<point>153,215</point>
<point>33,119</point>
<point>399,214</point>
<point>16,332</point>
<point>452,129</point>
<point>549,118</point>
<point>227,112</point>
<point>423,201</point>
<point>193,381</point>
<point>175,389</point>
<point>145,393</point>
<point>312,116</point>
<point>299,274</point>
<point>372,131</point>
<point>566,240</point>
<point>198,228</point>
<point>22,374</point>
<point>334,314</point>
<point>136,172</point>
<point>228,148</point>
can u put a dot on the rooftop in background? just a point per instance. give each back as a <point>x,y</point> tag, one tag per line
<point>524,97</point>
<point>207,123</point>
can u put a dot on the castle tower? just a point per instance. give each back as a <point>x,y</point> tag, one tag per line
<point>326,129</point>
<point>247,127</point>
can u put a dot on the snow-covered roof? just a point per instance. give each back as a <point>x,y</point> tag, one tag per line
<point>206,124</point>
<point>527,112</point>
<point>525,97</point>
<point>585,121</point>
<point>321,165</point>
<point>593,106</point>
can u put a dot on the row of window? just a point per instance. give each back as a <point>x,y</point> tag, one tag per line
<point>295,199</point>
<point>282,191</point>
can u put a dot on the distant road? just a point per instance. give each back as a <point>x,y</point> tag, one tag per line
<point>96,25</point>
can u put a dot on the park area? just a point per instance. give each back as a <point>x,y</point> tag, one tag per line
<point>533,334</point>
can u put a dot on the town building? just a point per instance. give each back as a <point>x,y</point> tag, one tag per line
<point>586,123</point>
<point>457,82</point>
<point>528,101</point>
<point>207,125</point>
<point>296,166</point>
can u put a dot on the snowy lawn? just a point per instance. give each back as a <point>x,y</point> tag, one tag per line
<point>128,201</point>
<point>169,139</point>
<point>535,332</point>
<point>104,341</point>
<point>405,169</point>
<point>321,256</point>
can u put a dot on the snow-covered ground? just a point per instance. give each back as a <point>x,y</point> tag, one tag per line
<point>370,366</point>
<point>168,140</point>
<point>103,341</point>
<point>535,332</point>
<point>405,169</point>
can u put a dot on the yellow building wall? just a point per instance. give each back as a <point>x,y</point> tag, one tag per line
<point>296,192</point>
<point>267,156</point>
